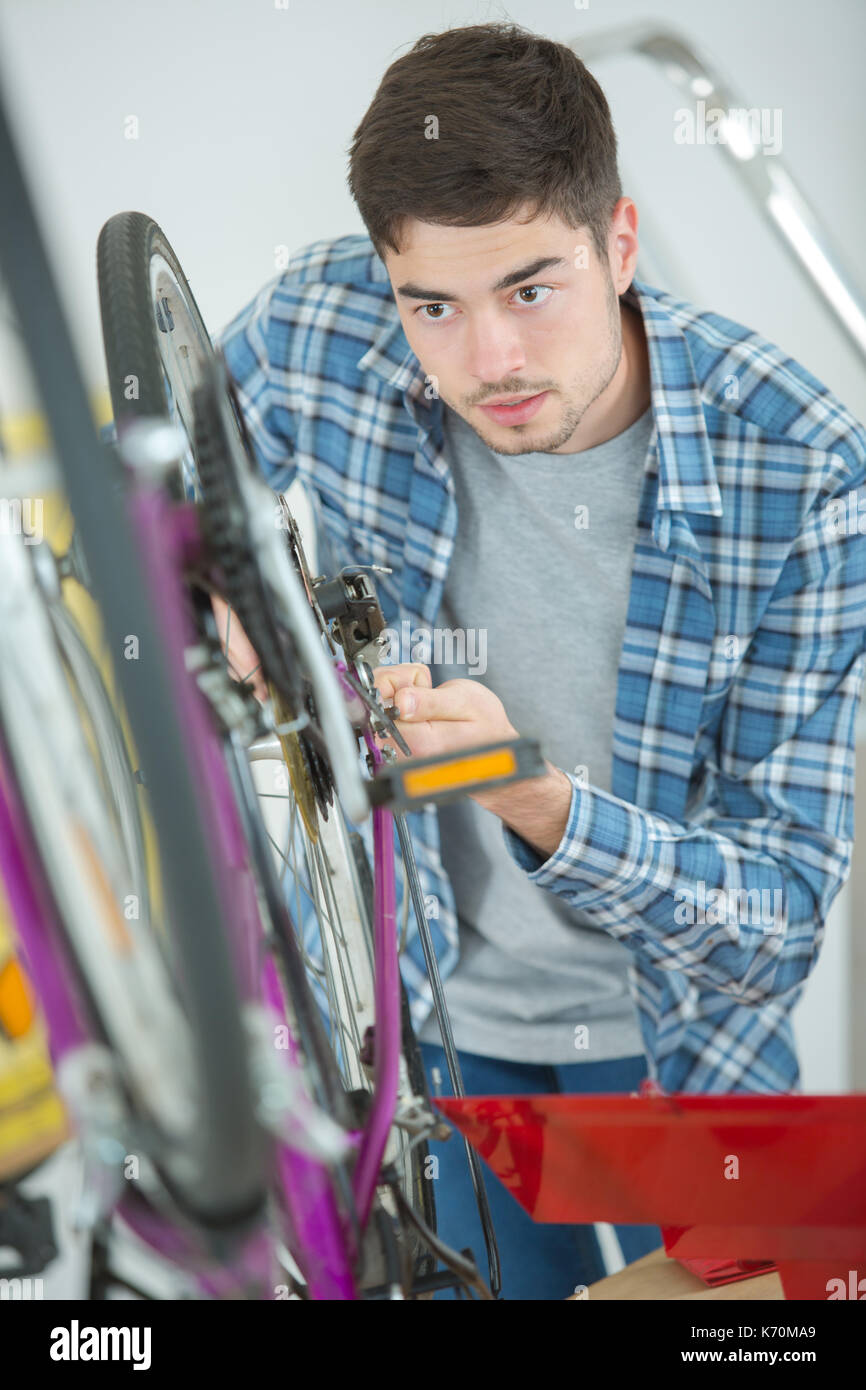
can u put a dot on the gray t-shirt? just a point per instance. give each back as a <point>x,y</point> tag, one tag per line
<point>538,589</point>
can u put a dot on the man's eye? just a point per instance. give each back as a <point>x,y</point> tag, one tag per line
<point>533,289</point>
<point>432,318</point>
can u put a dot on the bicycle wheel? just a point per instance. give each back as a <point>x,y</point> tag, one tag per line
<point>154,335</point>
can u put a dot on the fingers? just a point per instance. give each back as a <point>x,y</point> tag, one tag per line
<point>256,680</point>
<point>409,686</point>
<point>241,657</point>
<point>390,679</point>
<point>244,664</point>
<point>448,701</point>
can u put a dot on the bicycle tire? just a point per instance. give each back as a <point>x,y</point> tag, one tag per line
<point>126,247</point>
<point>128,242</point>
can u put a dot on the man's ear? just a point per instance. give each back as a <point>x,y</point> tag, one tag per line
<point>624,244</point>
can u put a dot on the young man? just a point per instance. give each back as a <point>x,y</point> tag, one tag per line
<point>621,510</point>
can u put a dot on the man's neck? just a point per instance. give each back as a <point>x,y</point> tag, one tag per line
<point>635,349</point>
<point>628,394</point>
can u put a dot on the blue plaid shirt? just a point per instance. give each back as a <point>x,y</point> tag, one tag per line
<point>741,665</point>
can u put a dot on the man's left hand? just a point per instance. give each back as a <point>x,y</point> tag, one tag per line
<point>457,714</point>
<point>461,714</point>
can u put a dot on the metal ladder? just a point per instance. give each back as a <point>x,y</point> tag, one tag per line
<point>767,181</point>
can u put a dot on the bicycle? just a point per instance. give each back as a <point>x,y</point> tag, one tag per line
<point>276,1149</point>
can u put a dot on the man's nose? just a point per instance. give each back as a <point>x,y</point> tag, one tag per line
<point>494,351</point>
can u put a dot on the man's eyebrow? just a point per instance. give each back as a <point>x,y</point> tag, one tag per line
<point>514,277</point>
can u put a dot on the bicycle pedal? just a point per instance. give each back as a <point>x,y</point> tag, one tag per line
<point>412,782</point>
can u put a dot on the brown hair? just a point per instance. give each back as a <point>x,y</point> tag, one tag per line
<point>521,120</point>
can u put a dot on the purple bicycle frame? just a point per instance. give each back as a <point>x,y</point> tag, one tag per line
<point>169,541</point>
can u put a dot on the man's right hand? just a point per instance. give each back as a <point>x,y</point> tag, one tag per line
<point>243,662</point>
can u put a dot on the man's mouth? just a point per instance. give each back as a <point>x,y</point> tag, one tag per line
<point>514,410</point>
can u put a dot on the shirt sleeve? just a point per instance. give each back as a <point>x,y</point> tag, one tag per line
<point>737,899</point>
<point>255,348</point>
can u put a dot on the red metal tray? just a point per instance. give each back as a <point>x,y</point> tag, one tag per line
<point>775,1180</point>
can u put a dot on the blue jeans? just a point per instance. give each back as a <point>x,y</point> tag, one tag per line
<point>539,1260</point>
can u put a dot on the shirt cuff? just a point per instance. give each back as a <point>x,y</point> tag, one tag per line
<point>605,851</point>
<point>543,869</point>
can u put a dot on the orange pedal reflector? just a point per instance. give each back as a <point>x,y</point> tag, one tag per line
<point>411,782</point>
<point>459,772</point>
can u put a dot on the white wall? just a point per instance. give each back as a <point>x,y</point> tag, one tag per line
<point>245,115</point>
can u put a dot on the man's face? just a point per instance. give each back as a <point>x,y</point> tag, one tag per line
<point>511,310</point>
